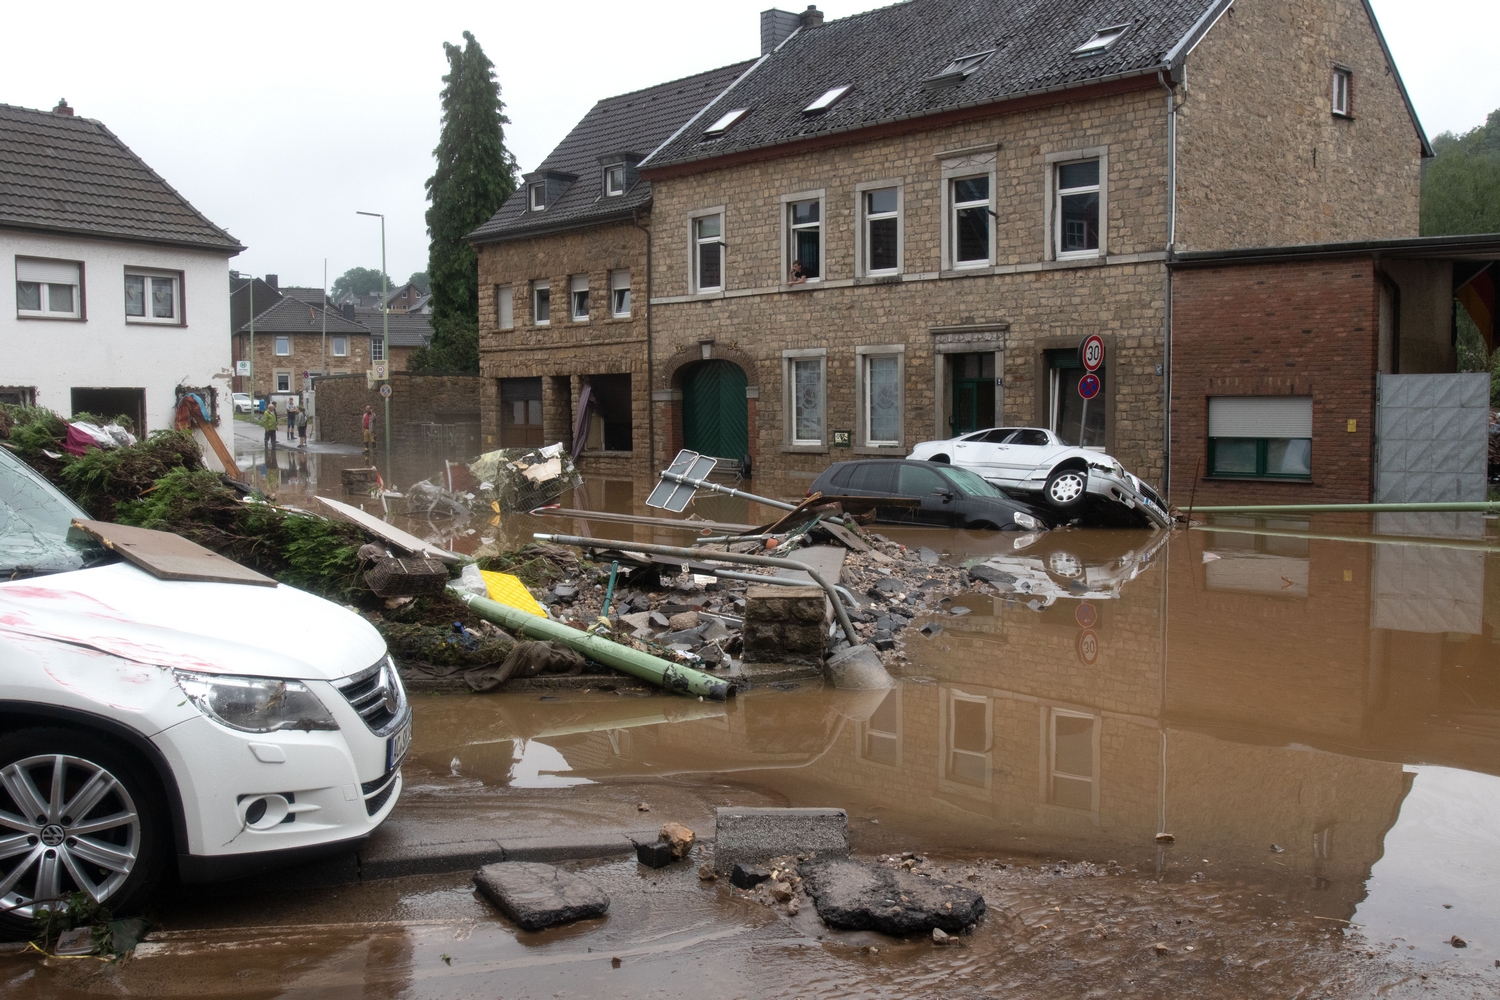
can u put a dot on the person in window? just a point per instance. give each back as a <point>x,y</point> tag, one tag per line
<point>367,425</point>
<point>302,428</point>
<point>797,276</point>
<point>268,422</point>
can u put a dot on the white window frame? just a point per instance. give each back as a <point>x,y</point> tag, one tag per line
<point>788,231</point>
<point>377,348</point>
<point>694,245</point>
<point>960,168</point>
<point>1051,216</point>
<point>610,173</point>
<point>536,196</point>
<point>862,228</point>
<point>152,276</point>
<point>1342,98</point>
<point>725,122</point>
<point>862,358</point>
<point>537,288</point>
<point>286,386</point>
<point>789,397</point>
<point>1102,40</point>
<point>867,729</point>
<point>505,307</point>
<point>578,284</point>
<point>949,696</point>
<point>283,341</point>
<point>619,281</point>
<point>1050,715</point>
<point>334,344</point>
<point>826,100</point>
<point>45,294</point>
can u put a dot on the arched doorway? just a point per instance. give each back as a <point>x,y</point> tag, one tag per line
<point>715,413</point>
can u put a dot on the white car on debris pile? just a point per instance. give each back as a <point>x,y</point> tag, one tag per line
<point>229,728</point>
<point>1032,463</point>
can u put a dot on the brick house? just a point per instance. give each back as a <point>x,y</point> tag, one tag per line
<point>290,341</point>
<point>408,331</point>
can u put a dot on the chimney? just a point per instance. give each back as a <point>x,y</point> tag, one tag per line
<point>347,309</point>
<point>62,108</point>
<point>272,280</point>
<point>812,17</point>
<point>775,27</point>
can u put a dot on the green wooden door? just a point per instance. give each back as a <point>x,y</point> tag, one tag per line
<point>715,415</point>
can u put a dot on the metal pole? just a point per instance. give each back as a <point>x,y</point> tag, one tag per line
<point>323,363</point>
<point>251,288</point>
<point>1467,507</point>
<point>704,484</point>
<point>698,555</point>
<point>385,350</point>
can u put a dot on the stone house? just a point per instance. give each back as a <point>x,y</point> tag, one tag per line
<point>408,332</point>
<point>291,345</point>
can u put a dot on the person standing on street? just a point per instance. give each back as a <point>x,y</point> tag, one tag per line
<point>367,425</point>
<point>268,421</point>
<point>291,420</point>
<point>302,428</point>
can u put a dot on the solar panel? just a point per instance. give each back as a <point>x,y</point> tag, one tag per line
<point>674,496</point>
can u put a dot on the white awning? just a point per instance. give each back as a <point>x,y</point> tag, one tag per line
<point>1260,416</point>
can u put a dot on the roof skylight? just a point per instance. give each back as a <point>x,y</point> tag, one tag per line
<point>959,68</point>
<point>1102,40</point>
<point>725,122</point>
<point>826,101</point>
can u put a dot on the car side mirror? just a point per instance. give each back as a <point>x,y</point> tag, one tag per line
<point>943,494</point>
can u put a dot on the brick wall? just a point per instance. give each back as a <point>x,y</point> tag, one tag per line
<point>1261,159</point>
<point>418,402</point>
<point>1299,329</point>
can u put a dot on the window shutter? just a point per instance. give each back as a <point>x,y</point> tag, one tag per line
<point>1260,416</point>
<point>55,272</point>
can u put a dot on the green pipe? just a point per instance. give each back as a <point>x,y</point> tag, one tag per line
<point>1480,507</point>
<point>672,677</point>
<point>1431,543</point>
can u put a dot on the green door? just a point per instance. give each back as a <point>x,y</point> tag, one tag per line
<point>973,387</point>
<point>715,415</point>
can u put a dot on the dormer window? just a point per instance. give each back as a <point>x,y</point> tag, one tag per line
<point>824,102</point>
<point>725,122</point>
<point>958,69</point>
<point>1102,41</point>
<point>538,194</point>
<point>614,179</point>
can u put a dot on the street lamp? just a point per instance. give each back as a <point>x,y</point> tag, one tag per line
<point>385,339</point>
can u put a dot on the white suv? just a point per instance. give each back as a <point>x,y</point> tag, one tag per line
<point>239,728</point>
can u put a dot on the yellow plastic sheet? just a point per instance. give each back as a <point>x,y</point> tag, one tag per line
<point>510,591</point>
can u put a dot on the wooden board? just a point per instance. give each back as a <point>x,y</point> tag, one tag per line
<point>170,557</point>
<point>722,527</point>
<point>401,539</point>
<point>845,537</point>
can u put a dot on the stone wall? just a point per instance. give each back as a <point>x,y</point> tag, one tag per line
<point>421,406</point>
<point>1261,159</point>
<point>306,355</point>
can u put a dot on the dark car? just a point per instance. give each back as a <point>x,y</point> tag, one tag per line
<point>925,493</point>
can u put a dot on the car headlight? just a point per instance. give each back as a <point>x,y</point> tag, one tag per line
<point>1026,521</point>
<point>255,704</point>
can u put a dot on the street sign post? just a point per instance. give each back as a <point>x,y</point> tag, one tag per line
<point>1091,352</point>
<point>1088,386</point>
<point>385,390</point>
<point>1087,615</point>
<point>1088,647</point>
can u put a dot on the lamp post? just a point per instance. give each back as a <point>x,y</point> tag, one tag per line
<point>385,339</point>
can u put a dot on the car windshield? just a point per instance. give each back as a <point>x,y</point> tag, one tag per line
<point>36,525</point>
<point>970,483</point>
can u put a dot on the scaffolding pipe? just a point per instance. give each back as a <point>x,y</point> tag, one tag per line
<point>704,484</point>
<point>698,555</point>
<point>1465,507</point>
<point>1430,543</point>
<point>673,677</point>
<point>779,581</point>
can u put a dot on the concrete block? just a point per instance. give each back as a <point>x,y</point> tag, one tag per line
<point>537,896</point>
<point>754,835</point>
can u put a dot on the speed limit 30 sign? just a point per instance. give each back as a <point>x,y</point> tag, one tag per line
<point>1091,352</point>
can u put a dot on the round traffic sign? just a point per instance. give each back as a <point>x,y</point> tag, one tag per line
<point>1087,615</point>
<point>385,391</point>
<point>1091,352</point>
<point>1088,647</point>
<point>1088,386</point>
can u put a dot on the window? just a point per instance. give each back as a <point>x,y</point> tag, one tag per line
<point>18,395</point>
<point>541,303</point>
<point>619,294</point>
<point>725,122</point>
<point>708,253</point>
<point>824,102</point>
<point>1077,209</point>
<point>1343,86</point>
<point>1077,421</point>
<point>505,305</point>
<point>152,298</point>
<point>538,194</point>
<point>283,346</point>
<point>1071,760</point>
<point>805,250</point>
<point>610,424</point>
<point>971,221</point>
<point>283,381</point>
<point>880,736</point>
<point>377,348</point>
<point>805,393</point>
<point>1102,41</point>
<point>340,346</point>
<point>969,738</point>
<point>48,288</point>
<point>614,179</point>
<point>1260,437</point>
<point>880,377</point>
<point>882,230</point>
<point>955,71</point>
<point>578,286</point>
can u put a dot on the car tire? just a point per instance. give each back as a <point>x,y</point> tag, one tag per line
<point>940,459</point>
<point>1065,567</point>
<point>1066,489</point>
<point>124,836</point>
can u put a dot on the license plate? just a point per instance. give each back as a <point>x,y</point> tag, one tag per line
<point>397,745</point>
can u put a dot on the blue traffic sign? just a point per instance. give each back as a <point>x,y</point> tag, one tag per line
<point>1088,386</point>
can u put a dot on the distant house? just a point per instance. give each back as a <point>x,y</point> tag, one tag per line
<point>118,302</point>
<point>409,331</point>
<point>294,341</point>
<point>402,299</point>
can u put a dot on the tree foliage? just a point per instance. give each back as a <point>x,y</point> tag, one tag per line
<point>419,278</point>
<point>358,281</point>
<point>475,174</point>
<point>1461,187</point>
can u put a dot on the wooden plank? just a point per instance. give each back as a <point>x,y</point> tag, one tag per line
<point>845,537</point>
<point>723,527</point>
<point>170,557</point>
<point>796,515</point>
<point>224,454</point>
<point>401,539</point>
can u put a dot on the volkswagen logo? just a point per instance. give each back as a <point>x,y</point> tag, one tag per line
<point>388,678</point>
<point>53,835</point>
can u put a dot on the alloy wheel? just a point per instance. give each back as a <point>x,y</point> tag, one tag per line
<point>66,825</point>
<point>1066,488</point>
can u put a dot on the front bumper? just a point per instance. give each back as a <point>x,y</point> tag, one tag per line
<point>1131,494</point>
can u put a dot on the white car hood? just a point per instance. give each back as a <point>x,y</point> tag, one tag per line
<point>216,627</point>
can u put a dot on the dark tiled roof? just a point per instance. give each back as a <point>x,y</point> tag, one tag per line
<point>636,122</point>
<point>72,175</point>
<point>312,296</point>
<point>295,316</point>
<point>886,54</point>
<point>407,329</point>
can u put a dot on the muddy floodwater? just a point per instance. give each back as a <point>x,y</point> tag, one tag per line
<point>1255,758</point>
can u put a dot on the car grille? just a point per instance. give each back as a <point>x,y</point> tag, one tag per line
<point>377,695</point>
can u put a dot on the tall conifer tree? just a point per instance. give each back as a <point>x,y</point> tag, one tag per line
<point>475,174</point>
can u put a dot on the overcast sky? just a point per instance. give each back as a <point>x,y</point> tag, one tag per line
<point>279,120</point>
